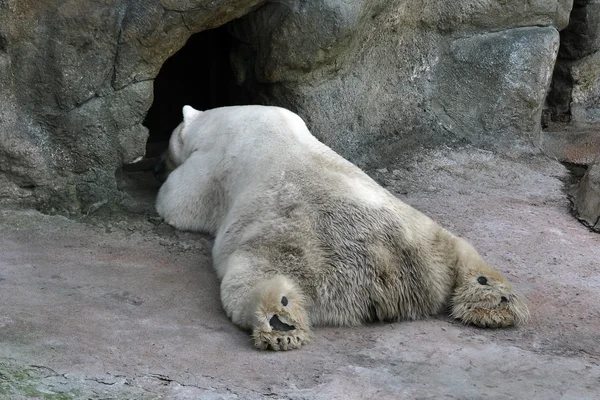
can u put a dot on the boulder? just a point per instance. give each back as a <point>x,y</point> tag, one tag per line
<point>586,202</point>
<point>377,79</point>
<point>585,94</point>
<point>492,87</point>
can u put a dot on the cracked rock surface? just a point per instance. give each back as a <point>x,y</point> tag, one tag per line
<point>129,308</point>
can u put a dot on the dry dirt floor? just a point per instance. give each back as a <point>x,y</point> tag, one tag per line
<point>128,308</point>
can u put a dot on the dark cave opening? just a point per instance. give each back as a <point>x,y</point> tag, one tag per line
<point>200,75</point>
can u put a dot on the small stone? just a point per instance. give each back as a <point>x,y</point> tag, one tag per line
<point>587,198</point>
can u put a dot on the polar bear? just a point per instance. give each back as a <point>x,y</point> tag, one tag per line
<point>304,238</point>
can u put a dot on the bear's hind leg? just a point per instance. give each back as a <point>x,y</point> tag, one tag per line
<point>271,307</point>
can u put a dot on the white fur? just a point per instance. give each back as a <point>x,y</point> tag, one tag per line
<point>292,219</point>
<point>246,148</point>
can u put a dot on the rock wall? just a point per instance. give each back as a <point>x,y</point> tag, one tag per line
<point>586,198</point>
<point>572,117</point>
<point>374,79</point>
<point>377,78</point>
<point>75,85</point>
<point>575,95</point>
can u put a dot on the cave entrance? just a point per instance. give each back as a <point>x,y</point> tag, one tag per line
<point>200,75</point>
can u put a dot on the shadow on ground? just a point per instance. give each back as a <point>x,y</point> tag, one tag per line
<point>129,308</point>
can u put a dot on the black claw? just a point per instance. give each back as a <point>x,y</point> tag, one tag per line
<point>277,325</point>
<point>284,301</point>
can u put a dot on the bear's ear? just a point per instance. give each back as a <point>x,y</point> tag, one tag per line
<point>189,112</point>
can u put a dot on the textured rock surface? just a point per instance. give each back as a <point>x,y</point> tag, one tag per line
<point>572,143</point>
<point>575,93</point>
<point>585,97</point>
<point>376,78</point>
<point>582,35</point>
<point>75,85</point>
<point>492,88</point>
<point>573,127</point>
<point>586,202</point>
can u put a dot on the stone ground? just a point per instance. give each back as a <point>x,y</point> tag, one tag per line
<point>129,309</point>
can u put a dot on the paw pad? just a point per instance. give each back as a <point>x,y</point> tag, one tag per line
<point>277,325</point>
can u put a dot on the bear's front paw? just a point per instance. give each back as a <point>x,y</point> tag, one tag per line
<point>281,326</point>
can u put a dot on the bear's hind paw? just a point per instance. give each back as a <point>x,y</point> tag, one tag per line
<point>282,324</point>
<point>277,340</point>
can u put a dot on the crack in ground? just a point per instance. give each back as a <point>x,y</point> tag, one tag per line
<point>165,378</point>
<point>220,386</point>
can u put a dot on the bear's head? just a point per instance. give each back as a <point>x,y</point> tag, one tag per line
<point>177,152</point>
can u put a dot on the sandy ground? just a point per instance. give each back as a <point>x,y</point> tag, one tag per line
<point>129,309</point>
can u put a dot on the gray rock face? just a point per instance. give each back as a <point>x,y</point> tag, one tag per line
<point>575,94</point>
<point>582,35</point>
<point>75,85</point>
<point>492,87</point>
<point>573,132</point>
<point>587,197</point>
<point>585,95</point>
<point>374,79</point>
